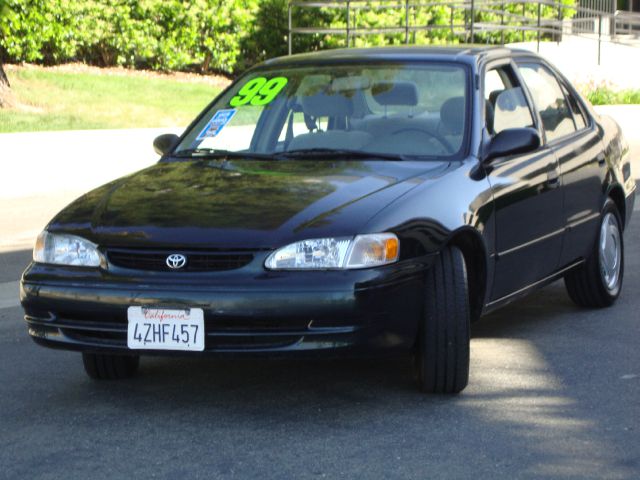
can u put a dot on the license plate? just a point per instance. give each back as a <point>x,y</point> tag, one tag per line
<point>165,329</point>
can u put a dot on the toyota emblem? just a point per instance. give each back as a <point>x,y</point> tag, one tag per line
<point>176,261</point>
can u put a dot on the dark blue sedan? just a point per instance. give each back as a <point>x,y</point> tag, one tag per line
<point>348,201</point>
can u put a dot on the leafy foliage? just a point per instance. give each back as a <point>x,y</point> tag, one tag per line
<point>157,34</point>
<point>603,95</point>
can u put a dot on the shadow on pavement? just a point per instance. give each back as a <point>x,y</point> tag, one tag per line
<point>12,264</point>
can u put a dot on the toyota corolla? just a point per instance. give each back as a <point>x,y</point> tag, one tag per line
<point>350,201</point>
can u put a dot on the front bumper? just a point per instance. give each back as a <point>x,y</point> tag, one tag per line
<point>274,312</point>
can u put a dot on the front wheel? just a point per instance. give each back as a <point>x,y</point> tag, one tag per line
<point>442,356</point>
<point>598,281</point>
<point>110,367</point>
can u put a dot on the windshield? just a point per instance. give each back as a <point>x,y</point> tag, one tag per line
<point>403,109</point>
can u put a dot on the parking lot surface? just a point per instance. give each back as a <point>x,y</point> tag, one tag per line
<point>554,393</point>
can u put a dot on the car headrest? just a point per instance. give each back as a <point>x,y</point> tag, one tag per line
<point>452,115</point>
<point>493,96</point>
<point>327,105</point>
<point>395,93</point>
<point>510,100</point>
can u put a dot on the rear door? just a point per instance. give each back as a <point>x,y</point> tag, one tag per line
<point>580,155</point>
<point>526,190</point>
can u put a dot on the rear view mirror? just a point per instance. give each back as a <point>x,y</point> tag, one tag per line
<point>511,142</point>
<point>163,144</point>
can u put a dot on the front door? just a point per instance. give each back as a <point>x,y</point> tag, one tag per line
<point>527,192</point>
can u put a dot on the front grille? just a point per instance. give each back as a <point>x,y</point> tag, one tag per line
<point>196,261</point>
<point>107,338</point>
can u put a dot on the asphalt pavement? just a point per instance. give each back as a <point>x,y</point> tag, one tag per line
<point>554,393</point>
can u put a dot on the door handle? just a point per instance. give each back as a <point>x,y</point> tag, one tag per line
<point>601,159</point>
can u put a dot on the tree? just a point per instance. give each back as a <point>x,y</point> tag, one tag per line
<point>4,81</point>
<point>5,94</point>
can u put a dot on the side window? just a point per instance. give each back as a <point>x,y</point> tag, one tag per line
<point>505,104</point>
<point>557,119</point>
<point>578,114</point>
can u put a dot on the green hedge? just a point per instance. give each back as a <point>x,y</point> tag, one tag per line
<point>604,95</point>
<point>156,34</point>
<point>208,35</point>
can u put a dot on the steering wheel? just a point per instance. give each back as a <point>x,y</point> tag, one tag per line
<point>440,138</point>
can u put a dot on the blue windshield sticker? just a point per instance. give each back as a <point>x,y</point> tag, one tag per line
<point>217,123</point>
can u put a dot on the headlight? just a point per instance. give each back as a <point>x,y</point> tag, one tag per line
<point>64,249</point>
<point>337,253</point>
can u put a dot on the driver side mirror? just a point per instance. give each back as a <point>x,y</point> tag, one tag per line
<point>511,142</point>
<point>164,143</point>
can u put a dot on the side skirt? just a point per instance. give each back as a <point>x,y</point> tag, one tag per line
<point>523,292</point>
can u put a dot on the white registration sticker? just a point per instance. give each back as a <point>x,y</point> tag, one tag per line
<point>165,329</point>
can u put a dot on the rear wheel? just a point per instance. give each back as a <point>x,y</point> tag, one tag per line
<point>110,367</point>
<point>442,357</point>
<point>597,283</point>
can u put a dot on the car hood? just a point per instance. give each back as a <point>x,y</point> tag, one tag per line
<point>240,203</point>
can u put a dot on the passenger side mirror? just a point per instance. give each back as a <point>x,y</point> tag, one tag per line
<point>164,143</point>
<point>512,141</point>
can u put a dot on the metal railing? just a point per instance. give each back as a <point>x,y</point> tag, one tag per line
<point>604,6</point>
<point>626,23</point>
<point>477,21</point>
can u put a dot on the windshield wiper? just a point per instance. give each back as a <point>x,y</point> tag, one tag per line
<point>217,153</point>
<point>303,153</point>
<point>333,153</point>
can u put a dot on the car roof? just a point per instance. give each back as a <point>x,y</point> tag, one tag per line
<point>461,53</point>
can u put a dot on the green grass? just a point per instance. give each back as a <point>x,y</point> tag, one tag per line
<point>55,100</point>
<point>59,100</point>
<point>607,96</point>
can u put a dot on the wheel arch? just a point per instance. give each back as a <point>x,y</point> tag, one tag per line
<point>470,242</point>
<point>616,193</point>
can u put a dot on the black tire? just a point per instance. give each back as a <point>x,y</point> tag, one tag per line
<point>442,356</point>
<point>587,285</point>
<point>110,367</point>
